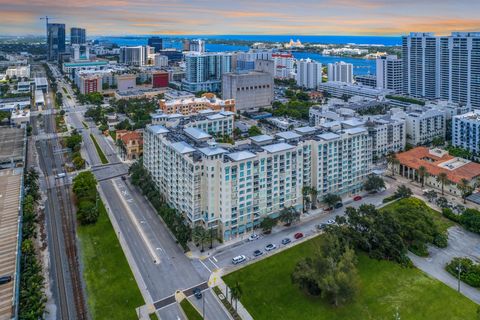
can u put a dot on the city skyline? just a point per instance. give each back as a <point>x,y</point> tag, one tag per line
<point>326,17</point>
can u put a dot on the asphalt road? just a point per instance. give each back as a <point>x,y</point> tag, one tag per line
<point>157,259</point>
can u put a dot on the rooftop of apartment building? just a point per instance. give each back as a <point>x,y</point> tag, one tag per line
<point>437,161</point>
<point>472,116</point>
<point>205,98</point>
<point>198,143</point>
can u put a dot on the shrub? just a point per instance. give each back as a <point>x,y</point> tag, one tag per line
<point>440,240</point>
<point>471,220</point>
<point>449,214</point>
<point>469,272</point>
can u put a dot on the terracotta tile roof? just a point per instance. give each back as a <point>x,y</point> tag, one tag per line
<point>132,135</point>
<point>421,156</point>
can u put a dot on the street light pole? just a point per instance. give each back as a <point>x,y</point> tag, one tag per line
<point>459,269</point>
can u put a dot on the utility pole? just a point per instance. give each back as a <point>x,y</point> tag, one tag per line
<point>459,269</point>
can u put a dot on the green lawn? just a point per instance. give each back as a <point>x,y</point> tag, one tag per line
<point>111,288</point>
<point>103,159</point>
<point>268,292</point>
<point>190,311</point>
<point>441,221</point>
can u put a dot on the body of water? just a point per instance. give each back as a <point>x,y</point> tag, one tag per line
<point>361,66</point>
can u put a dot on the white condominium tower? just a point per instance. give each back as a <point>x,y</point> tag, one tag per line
<point>204,70</point>
<point>340,71</point>
<point>232,188</point>
<point>135,56</point>
<point>389,73</point>
<point>309,73</point>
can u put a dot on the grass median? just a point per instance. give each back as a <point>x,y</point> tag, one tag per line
<point>190,311</point>
<point>101,155</point>
<point>385,288</point>
<point>111,288</point>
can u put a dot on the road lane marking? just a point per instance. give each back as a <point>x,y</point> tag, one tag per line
<point>211,261</point>
<point>213,257</point>
<point>205,265</point>
<point>156,258</point>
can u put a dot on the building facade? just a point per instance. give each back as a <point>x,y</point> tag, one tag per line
<point>231,189</point>
<point>156,43</point>
<point>309,73</point>
<point>390,73</point>
<point>283,65</point>
<point>466,131</point>
<point>250,90</point>
<point>78,36</point>
<point>90,84</point>
<point>340,72</point>
<point>188,106</point>
<point>55,40</point>
<point>204,70</point>
<point>134,56</point>
<point>423,126</point>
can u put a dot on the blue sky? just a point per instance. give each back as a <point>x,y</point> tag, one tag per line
<point>300,17</point>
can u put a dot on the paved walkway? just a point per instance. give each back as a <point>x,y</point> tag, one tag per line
<point>216,280</point>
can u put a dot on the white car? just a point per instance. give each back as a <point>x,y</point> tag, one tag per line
<point>253,237</point>
<point>270,247</point>
<point>239,259</point>
<point>331,221</point>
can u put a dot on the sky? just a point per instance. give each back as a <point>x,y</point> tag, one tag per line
<point>293,17</point>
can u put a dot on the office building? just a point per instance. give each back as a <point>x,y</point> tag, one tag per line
<point>126,82</point>
<point>344,89</point>
<point>80,52</point>
<point>134,56</point>
<point>90,83</point>
<point>197,45</point>
<point>18,71</point>
<point>368,80</point>
<point>160,61</point>
<point>188,106</point>
<point>232,188</point>
<point>204,70</point>
<point>250,89</point>
<point>173,55</point>
<point>55,40</point>
<point>309,73</point>
<point>390,73</point>
<point>466,132</point>
<point>340,72</point>
<point>283,64</point>
<point>78,36</point>
<point>156,43</point>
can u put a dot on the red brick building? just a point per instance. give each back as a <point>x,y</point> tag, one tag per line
<point>160,79</point>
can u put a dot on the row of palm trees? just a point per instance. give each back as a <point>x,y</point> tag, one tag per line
<point>422,172</point>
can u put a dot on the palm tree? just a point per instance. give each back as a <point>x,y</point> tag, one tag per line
<point>331,199</point>
<point>313,196</point>
<point>392,160</point>
<point>422,173</point>
<point>200,236</point>
<point>236,293</point>
<point>465,189</point>
<point>443,179</point>
<point>289,215</point>
<point>305,192</point>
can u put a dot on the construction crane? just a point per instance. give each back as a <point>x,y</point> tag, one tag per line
<point>46,18</point>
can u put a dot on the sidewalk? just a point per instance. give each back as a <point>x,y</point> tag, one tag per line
<point>310,215</point>
<point>216,280</point>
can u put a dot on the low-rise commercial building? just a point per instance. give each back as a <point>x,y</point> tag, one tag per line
<point>437,161</point>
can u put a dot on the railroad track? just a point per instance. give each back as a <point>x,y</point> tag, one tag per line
<point>69,281</point>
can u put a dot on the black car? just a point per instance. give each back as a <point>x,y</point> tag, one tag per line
<point>338,205</point>
<point>197,293</point>
<point>257,253</point>
<point>286,241</point>
<point>5,279</point>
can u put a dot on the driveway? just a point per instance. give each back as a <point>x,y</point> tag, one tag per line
<point>461,243</point>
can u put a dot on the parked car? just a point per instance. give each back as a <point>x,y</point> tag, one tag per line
<point>239,259</point>
<point>321,226</point>
<point>124,178</point>
<point>329,209</point>
<point>253,237</point>
<point>286,241</point>
<point>5,279</point>
<point>338,205</point>
<point>357,198</point>
<point>298,235</point>
<point>257,253</point>
<point>197,293</point>
<point>270,247</point>
<point>331,221</point>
